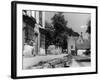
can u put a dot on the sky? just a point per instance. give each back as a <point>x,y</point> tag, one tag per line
<point>76,21</point>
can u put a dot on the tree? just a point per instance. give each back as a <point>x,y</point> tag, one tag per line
<point>60,33</point>
<point>59,23</point>
<point>89,27</point>
<point>49,33</point>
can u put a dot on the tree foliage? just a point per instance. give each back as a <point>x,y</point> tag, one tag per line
<point>89,27</point>
<point>58,31</point>
<point>49,35</point>
<point>59,22</point>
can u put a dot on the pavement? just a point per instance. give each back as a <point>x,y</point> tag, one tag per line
<point>76,61</point>
<point>81,61</point>
<point>80,64</point>
<point>29,61</point>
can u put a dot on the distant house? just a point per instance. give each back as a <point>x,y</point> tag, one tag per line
<point>77,44</point>
<point>72,43</point>
<point>82,44</point>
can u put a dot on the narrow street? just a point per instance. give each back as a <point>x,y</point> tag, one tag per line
<point>81,61</point>
<point>79,64</point>
<point>29,61</point>
<point>77,61</point>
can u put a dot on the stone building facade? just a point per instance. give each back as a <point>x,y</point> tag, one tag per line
<point>30,19</point>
